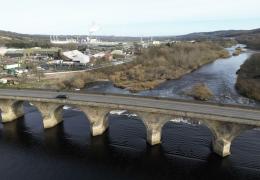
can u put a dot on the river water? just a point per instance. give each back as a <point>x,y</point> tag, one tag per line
<point>69,152</point>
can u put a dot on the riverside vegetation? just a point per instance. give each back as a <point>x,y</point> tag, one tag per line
<point>248,80</point>
<point>201,92</point>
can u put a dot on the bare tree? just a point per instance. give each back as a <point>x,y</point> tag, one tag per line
<point>23,77</point>
<point>38,72</point>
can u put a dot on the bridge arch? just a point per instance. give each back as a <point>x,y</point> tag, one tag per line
<point>253,131</point>
<point>186,137</point>
<point>224,133</point>
<point>126,129</point>
<point>154,123</point>
<point>11,109</point>
<point>51,113</point>
<point>97,117</point>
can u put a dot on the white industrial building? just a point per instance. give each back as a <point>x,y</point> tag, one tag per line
<point>4,51</point>
<point>76,56</point>
<point>11,66</point>
<point>56,40</point>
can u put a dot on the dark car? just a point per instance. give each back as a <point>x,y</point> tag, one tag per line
<point>62,96</point>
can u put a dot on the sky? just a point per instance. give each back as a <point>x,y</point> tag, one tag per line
<point>127,17</point>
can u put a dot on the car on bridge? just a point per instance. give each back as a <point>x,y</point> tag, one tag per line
<point>62,96</point>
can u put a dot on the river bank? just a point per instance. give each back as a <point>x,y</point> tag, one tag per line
<point>248,80</point>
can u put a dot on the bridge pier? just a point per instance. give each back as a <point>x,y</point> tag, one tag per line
<point>98,119</point>
<point>154,123</point>
<point>223,134</point>
<point>51,113</point>
<point>11,110</point>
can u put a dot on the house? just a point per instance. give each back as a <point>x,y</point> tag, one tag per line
<point>156,43</point>
<point>68,63</point>
<point>58,61</point>
<point>3,50</point>
<point>21,71</point>
<point>3,81</point>
<point>76,57</point>
<point>9,80</point>
<point>106,56</point>
<point>117,52</point>
<point>99,55</point>
<point>11,66</point>
<point>14,52</point>
<point>192,41</point>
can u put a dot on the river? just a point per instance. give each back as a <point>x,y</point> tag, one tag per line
<point>219,76</point>
<point>69,152</point>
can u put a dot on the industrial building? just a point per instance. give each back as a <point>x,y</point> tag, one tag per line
<point>76,56</point>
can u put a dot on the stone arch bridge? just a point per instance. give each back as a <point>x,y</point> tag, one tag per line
<point>225,121</point>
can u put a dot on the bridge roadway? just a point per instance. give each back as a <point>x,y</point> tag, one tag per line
<point>225,121</point>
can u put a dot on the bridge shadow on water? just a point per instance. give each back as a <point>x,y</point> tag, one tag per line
<point>68,151</point>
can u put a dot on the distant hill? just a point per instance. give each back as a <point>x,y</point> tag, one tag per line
<point>12,39</point>
<point>249,37</point>
<point>219,34</point>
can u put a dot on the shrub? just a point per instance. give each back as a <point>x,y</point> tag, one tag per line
<point>201,92</point>
<point>77,83</point>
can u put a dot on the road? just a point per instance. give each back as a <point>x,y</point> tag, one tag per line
<point>145,102</point>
